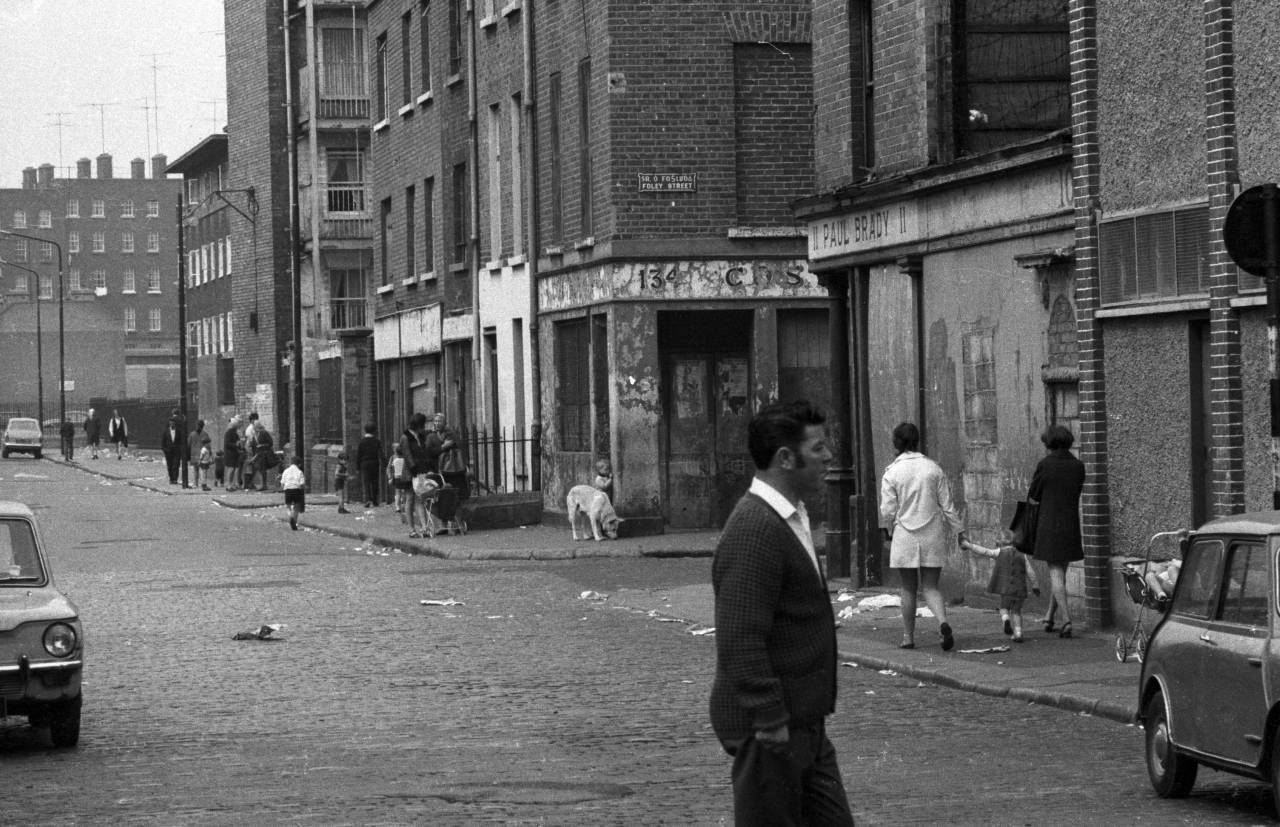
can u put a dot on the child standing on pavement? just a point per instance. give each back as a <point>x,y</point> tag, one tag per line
<point>398,476</point>
<point>202,466</point>
<point>219,470</point>
<point>1011,577</point>
<point>340,483</point>
<point>294,483</point>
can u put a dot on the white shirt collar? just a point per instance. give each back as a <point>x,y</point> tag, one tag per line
<point>773,497</point>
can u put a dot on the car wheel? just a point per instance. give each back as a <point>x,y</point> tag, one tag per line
<point>4,454</point>
<point>1273,774</point>
<point>1172,774</point>
<point>64,723</point>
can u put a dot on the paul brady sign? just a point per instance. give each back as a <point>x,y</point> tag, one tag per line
<point>864,230</point>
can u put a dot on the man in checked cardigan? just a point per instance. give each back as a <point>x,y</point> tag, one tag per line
<point>775,633</point>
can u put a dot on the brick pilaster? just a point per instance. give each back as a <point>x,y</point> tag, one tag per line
<point>1226,409</point>
<point>1095,506</point>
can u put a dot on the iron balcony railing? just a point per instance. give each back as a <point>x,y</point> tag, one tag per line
<point>346,313</point>
<point>343,93</point>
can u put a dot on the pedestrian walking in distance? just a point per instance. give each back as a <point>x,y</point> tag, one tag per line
<point>118,432</point>
<point>775,680</point>
<point>92,432</point>
<point>1011,578</point>
<point>172,441</point>
<point>370,459</point>
<point>340,483</point>
<point>916,505</point>
<point>1056,486</point>
<point>294,483</point>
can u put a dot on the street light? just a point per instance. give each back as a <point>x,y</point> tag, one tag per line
<point>62,347</point>
<point>39,343</point>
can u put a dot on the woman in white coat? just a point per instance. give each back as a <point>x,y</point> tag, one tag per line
<point>916,507</point>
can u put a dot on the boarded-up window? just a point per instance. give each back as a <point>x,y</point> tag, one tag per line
<point>1011,69</point>
<point>804,356</point>
<point>329,423</point>
<point>573,385</point>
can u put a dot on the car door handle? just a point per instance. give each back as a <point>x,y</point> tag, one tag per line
<point>1204,638</point>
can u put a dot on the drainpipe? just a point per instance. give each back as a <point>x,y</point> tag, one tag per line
<point>477,373</point>
<point>295,247</point>
<point>530,173</point>
<point>313,142</point>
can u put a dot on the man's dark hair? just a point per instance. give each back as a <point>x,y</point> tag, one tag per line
<point>370,428</point>
<point>1057,438</point>
<point>906,437</point>
<point>418,421</point>
<point>779,425</point>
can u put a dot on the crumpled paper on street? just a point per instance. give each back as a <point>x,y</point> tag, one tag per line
<point>263,632</point>
<point>707,630</point>
<point>449,602</point>
<point>590,595</point>
<point>990,650</point>
<point>879,601</point>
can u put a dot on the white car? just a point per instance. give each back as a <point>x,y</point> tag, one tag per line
<point>22,436</point>
<point>41,639</point>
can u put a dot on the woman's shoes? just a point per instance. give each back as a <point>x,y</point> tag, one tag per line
<point>907,644</point>
<point>1048,625</point>
<point>1066,630</point>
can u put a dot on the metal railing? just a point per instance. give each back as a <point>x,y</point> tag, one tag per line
<point>344,313</point>
<point>343,93</point>
<point>497,461</point>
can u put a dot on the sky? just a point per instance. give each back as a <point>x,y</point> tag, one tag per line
<point>104,65</point>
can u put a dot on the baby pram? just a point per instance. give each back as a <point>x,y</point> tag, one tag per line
<point>1135,583</point>
<point>442,504</point>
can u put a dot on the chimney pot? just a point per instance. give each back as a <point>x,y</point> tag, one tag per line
<point>84,168</point>
<point>104,165</point>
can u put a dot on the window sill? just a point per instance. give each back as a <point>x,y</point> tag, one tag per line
<point>425,98</point>
<point>458,267</point>
<point>382,125</point>
<point>427,276</point>
<point>516,261</point>
<point>411,281</point>
<point>1153,307</point>
<point>554,250</point>
<point>488,22</point>
<point>385,289</point>
<point>586,243</point>
<point>454,79</point>
<point>511,8</point>
<point>407,110</point>
<point>153,292</point>
<point>492,266</point>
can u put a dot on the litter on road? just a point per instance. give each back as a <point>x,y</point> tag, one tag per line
<point>711,630</point>
<point>263,632</point>
<point>590,595</point>
<point>990,650</point>
<point>449,602</point>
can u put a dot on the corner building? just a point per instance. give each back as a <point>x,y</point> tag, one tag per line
<point>585,237</point>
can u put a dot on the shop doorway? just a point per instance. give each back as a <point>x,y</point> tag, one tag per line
<point>706,382</point>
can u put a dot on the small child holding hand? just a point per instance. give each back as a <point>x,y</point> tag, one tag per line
<point>1011,578</point>
<point>398,476</point>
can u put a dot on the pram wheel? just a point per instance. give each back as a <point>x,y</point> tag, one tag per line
<point>1142,645</point>
<point>1122,647</point>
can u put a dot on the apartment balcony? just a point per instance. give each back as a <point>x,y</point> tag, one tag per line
<point>345,221</point>
<point>347,314</point>
<point>343,98</point>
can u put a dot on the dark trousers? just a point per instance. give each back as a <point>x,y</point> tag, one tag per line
<point>173,459</point>
<point>797,783</point>
<point>369,475</point>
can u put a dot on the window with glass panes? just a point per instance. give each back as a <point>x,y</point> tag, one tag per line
<point>153,209</point>
<point>126,242</point>
<point>45,219</point>
<point>126,208</point>
<point>73,242</point>
<point>130,320</point>
<point>153,280</point>
<point>99,208</point>
<point>130,282</point>
<point>46,287</point>
<point>99,242</point>
<point>153,242</point>
<point>153,320</point>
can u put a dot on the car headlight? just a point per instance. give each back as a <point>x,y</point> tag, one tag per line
<point>59,640</point>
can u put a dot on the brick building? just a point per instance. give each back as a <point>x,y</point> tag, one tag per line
<point>298,123</point>
<point>118,253</point>
<point>1172,118</point>
<point>606,250</point>
<point>208,205</point>
<point>941,216</point>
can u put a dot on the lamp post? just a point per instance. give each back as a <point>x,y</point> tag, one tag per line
<point>62,348</point>
<point>39,343</point>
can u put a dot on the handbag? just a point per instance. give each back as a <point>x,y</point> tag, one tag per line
<point>1025,518</point>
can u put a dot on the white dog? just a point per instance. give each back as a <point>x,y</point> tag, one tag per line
<point>595,505</point>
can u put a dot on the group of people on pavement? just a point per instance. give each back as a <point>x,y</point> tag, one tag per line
<point>775,677</point>
<point>117,434</point>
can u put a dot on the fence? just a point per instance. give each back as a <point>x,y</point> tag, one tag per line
<point>497,462</point>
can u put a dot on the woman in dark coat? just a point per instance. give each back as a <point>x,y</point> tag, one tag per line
<point>1056,486</point>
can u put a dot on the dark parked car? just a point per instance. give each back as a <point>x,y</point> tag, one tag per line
<point>1210,685</point>
<point>41,640</point>
<point>22,436</point>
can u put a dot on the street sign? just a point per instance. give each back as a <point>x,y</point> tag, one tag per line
<point>1245,230</point>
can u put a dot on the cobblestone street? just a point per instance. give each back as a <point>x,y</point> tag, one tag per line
<point>522,704</point>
